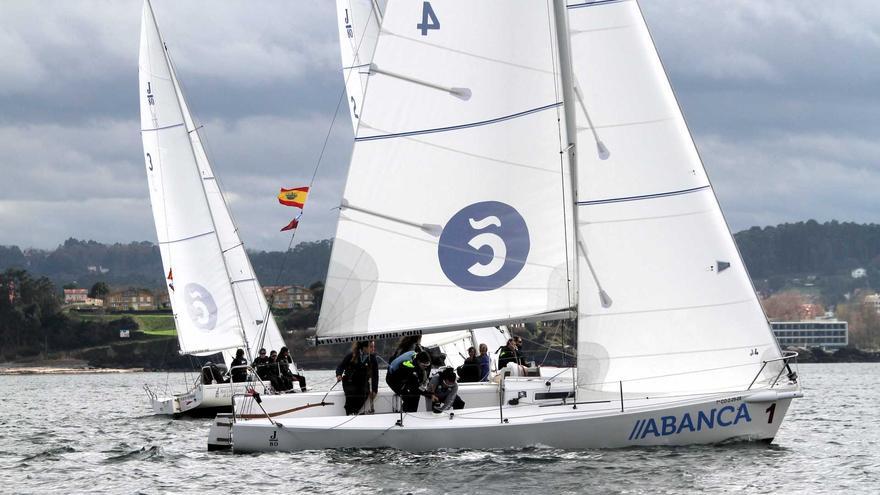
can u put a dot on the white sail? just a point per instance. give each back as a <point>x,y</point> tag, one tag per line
<point>453,214</point>
<point>358,22</point>
<point>455,344</point>
<point>260,328</point>
<point>197,237</point>
<point>680,314</point>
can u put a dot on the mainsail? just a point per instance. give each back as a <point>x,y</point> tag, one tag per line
<point>454,212</point>
<point>217,301</point>
<point>680,314</point>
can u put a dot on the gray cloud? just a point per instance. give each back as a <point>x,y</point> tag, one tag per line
<point>780,96</point>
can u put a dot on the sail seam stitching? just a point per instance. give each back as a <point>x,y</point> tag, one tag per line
<point>645,196</point>
<point>593,4</point>
<point>163,127</point>
<point>461,126</point>
<point>187,238</point>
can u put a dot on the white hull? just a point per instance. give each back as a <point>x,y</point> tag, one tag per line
<point>203,399</point>
<point>748,416</point>
<point>481,394</point>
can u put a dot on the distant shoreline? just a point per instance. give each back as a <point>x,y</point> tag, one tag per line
<point>52,370</point>
<point>58,367</point>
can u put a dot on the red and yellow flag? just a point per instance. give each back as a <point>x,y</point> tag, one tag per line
<point>293,197</point>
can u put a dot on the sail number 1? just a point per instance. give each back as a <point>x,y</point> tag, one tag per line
<point>429,19</point>
<point>770,411</point>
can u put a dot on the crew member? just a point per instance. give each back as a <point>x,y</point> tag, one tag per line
<point>443,392</point>
<point>239,367</point>
<point>407,376</point>
<point>263,365</point>
<point>470,370</point>
<point>354,371</point>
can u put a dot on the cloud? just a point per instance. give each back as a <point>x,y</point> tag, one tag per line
<point>780,96</point>
<point>794,177</point>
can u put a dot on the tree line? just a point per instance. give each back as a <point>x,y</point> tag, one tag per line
<point>138,264</point>
<point>32,323</point>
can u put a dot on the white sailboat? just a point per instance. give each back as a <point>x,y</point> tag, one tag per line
<point>217,301</point>
<point>525,161</point>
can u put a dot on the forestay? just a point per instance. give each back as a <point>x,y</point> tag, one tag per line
<point>192,257</point>
<point>682,314</point>
<point>454,210</point>
<point>358,22</point>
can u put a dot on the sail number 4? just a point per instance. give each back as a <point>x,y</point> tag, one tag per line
<point>429,19</point>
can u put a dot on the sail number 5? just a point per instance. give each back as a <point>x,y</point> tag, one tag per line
<point>429,19</point>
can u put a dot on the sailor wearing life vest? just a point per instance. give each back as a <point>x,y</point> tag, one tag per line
<point>407,377</point>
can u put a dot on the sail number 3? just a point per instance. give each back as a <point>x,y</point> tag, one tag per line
<point>429,19</point>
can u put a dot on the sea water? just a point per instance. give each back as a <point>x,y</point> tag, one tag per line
<point>96,434</point>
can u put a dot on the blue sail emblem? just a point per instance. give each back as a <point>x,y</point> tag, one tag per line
<point>484,246</point>
<point>200,306</point>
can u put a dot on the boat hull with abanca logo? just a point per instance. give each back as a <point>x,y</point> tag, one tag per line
<point>747,416</point>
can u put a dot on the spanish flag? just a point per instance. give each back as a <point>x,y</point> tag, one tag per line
<point>293,197</point>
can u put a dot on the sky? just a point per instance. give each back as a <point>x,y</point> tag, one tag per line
<point>781,97</point>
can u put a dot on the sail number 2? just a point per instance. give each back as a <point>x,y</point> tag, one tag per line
<point>429,19</point>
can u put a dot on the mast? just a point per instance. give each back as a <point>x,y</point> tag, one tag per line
<point>568,98</point>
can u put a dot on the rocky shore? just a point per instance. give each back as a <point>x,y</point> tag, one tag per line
<point>58,367</point>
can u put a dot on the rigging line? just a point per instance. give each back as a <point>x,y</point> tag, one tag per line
<point>687,372</point>
<point>317,166</point>
<point>356,66</point>
<point>555,333</point>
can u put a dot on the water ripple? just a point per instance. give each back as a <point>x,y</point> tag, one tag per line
<point>95,433</point>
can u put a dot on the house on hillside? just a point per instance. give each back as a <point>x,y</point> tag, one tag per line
<point>131,300</point>
<point>163,300</point>
<point>80,298</point>
<point>872,300</point>
<point>75,296</point>
<point>289,296</point>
